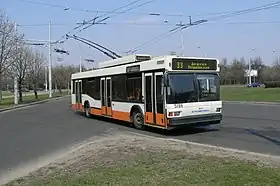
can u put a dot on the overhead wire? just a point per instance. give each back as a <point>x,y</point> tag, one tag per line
<point>249,10</point>
<point>105,18</point>
<point>131,8</point>
<point>175,30</point>
<point>184,26</point>
<point>67,8</point>
<point>157,24</point>
<point>94,19</point>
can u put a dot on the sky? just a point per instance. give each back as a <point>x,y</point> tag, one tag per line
<point>233,37</point>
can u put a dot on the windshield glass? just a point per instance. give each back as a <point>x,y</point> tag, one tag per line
<point>208,86</point>
<point>186,88</point>
<point>182,89</point>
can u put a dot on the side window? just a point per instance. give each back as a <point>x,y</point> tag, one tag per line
<point>159,94</point>
<point>91,87</point>
<point>134,87</point>
<point>119,88</point>
<point>96,87</point>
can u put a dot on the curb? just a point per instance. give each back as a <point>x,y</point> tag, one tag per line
<point>33,103</point>
<point>253,102</point>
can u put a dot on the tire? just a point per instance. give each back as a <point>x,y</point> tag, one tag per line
<point>87,111</point>
<point>138,120</point>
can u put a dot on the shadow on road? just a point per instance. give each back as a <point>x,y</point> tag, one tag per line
<point>175,132</point>
<point>190,130</point>
<point>259,134</point>
<point>253,118</point>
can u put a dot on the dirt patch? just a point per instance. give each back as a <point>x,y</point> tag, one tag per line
<point>119,148</point>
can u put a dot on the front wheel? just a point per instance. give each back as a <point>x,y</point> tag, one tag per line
<point>138,120</point>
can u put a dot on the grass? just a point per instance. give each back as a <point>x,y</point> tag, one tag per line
<point>163,169</point>
<point>6,93</point>
<point>8,102</point>
<point>250,94</point>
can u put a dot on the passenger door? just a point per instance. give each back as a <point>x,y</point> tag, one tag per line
<point>78,87</point>
<point>149,99</point>
<point>159,99</point>
<point>106,96</point>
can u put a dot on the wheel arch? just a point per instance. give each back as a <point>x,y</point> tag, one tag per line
<point>136,108</point>
<point>86,102</point>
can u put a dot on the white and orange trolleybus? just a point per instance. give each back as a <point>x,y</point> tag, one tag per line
<point>164,92</point>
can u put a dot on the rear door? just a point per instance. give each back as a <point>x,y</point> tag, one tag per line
<point>78,87</point>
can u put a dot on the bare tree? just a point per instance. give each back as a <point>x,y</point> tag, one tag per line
<point>8,39</point>
<point>62,76</point>
<point>36,71</point>
<point>20,66</point>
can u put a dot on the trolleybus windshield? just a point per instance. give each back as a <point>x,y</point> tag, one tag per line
<point>187,88</point>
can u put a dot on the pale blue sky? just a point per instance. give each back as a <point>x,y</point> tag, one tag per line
<point>216,39</point>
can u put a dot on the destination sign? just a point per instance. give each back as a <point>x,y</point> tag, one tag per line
<point>194,64</point>
<point>132,69</point>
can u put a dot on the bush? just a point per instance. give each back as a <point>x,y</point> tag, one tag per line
<point>272,84</point>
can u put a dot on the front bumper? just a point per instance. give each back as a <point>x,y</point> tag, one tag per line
<point>199,120</point>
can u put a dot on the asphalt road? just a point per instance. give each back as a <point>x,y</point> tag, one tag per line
<point>29,133</point>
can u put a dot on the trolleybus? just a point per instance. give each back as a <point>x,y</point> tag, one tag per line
<point>163,92</point>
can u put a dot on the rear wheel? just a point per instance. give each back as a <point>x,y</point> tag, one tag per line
<point>138,120</point>
<point>87,110</point>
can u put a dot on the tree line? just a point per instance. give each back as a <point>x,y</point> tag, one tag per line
<point>27,64</point>
<point>234,72</point>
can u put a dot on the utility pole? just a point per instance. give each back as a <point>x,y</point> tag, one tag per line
<point>46,78</point>
<point>50,61</point>
<point>250,79</point>
<point>182,34</point>
<point>15,77</point>
<point>182,38</point>
<point>250,68</point>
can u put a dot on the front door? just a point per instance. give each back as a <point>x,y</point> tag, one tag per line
<point>159,99</point>
<point>106,96</point>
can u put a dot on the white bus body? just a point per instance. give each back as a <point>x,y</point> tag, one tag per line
<point>174,91</point>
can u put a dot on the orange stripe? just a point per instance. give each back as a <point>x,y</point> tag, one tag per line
<point>95,111</point>
<point>123,116</point>
<point>109,111</point>
<point>160,119</point>
<point>77,106</point>
<point>103,110</point>
<point>149,117</point>
<point>74,106</point>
